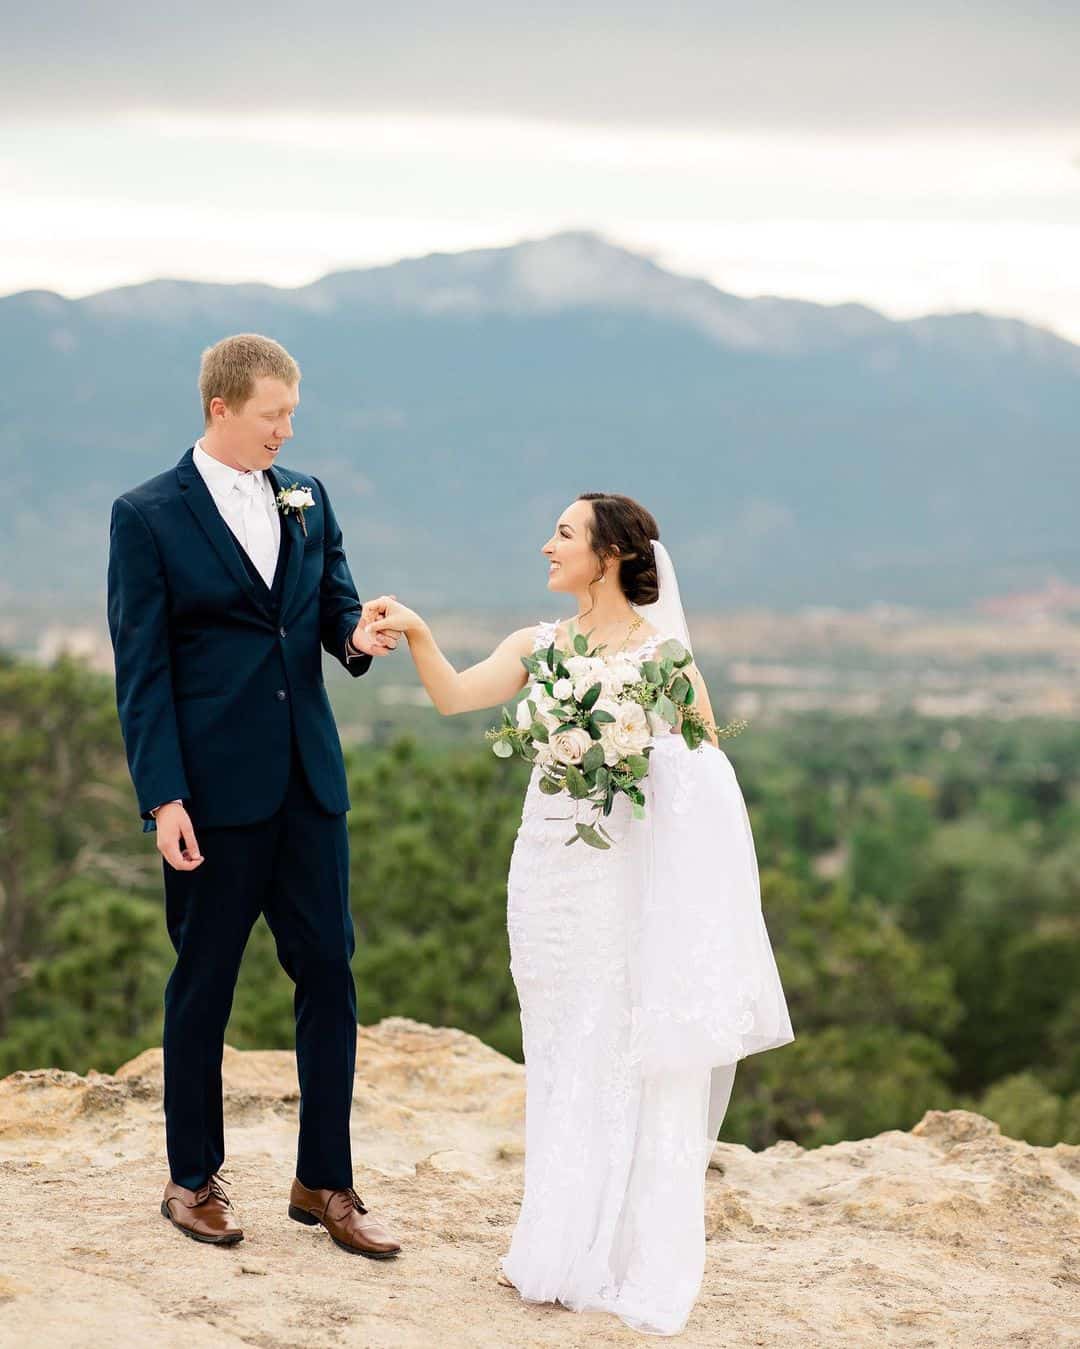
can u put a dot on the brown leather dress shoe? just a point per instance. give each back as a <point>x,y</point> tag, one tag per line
<point>344,1216</point>
<point>205,1214</point>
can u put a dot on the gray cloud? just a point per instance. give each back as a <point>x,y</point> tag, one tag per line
<point>704,63</point>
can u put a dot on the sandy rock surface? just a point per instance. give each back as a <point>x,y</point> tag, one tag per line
<point>947,1235</point>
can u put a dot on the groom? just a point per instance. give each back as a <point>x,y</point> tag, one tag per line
<point>227,577</point>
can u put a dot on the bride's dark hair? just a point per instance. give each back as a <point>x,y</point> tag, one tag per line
<point>623,528</point>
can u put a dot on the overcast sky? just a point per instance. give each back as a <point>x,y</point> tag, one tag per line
<point>916,157</point>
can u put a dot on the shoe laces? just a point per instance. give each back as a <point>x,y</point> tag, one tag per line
<point>213,1189</point>
<point>355,1200</point>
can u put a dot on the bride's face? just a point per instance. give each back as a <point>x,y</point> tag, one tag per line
<point>572,564</point>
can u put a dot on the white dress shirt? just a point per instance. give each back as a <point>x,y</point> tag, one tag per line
<point>252,516</point>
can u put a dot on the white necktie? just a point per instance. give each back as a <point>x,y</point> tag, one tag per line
<point>256,528</point>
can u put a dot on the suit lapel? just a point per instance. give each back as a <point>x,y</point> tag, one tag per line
<point>290,528</point>
<point>197,497</point>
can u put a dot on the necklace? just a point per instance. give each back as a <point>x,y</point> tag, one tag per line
<point>638,621</point>
<point>634,625</point>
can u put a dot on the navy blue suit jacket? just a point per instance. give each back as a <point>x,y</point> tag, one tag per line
<point>211,684</point>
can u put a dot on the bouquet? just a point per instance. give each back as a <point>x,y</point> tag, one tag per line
<point>589,718</point>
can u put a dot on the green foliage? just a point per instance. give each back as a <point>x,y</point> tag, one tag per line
<point>431,836</point>
<point>1026,1108</point>
<point>921,891</point>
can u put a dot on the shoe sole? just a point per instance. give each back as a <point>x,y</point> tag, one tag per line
<point>198,1236</point>
<point>301,1215</point>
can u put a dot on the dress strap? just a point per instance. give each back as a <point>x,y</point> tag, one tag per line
<point>545,634</point>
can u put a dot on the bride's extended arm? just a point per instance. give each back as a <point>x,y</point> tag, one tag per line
<point>490,682</point>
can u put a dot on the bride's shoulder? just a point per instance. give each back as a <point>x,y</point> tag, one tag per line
<point>524,640</point>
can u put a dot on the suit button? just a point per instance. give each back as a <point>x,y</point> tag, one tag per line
<point>281,632</point>
<point>280,695</point>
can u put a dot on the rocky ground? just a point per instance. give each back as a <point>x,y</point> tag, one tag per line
<point>947,1235</point>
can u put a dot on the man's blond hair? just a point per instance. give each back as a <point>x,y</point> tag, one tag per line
<point>230,368</point>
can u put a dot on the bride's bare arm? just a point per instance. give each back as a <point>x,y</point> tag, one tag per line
<point>489,682</point>
<point>701,701</point>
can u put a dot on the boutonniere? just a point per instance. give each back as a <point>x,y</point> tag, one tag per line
<point>295,499</point>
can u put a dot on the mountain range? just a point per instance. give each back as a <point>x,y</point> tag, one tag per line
<point>795,454</point>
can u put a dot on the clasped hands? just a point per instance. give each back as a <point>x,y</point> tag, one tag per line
<point>381,625</point>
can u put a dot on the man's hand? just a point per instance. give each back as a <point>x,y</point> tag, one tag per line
<point>396,620</point>
<point>176,838</point>
<point>371,643</point>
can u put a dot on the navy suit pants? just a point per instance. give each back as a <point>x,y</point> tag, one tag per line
<point>294,868</point>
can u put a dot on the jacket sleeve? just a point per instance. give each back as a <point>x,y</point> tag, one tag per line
<point>138,626</point>
<point>339,604</point>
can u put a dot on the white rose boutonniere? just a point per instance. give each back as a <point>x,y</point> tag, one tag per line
<point>295,499</point>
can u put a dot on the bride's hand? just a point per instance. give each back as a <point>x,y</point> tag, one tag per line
<point>395,617</point>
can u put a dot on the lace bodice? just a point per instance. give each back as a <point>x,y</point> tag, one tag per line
<point>545,635</point>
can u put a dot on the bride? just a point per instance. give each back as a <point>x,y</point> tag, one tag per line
<point>644,972</point>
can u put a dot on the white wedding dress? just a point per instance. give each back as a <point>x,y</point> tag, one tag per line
<point>644,974</point>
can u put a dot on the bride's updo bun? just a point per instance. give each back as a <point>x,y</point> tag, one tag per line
<point>623,528</point>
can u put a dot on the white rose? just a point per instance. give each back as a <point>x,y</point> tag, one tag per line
<point>587,681</point>
<point>546,711</point>
<point>563,689</point>
<point>299,496</point>
<point>581,665</point>
<point>611,754</point>
<point>627,734</point>
<point>585,671</point>
<point>621,672</point>
<point>570,747</point>
<point>523,715</point>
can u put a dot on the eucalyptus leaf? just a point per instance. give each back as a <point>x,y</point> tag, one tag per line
<point>539,731</point>
<point>581,646</point>
<point>666,709</point>
<point>589,701</point>
<point>550,787</point>
<point>601,717</point>
<point>575,783</point>
<point>638,810</point>
<point>593,759</point>
<point>674,651</point>
<point>651,670</point>
<point>588,835</point>
<point>639,765</point>
<point>680,690</point>
<point>502,749</point>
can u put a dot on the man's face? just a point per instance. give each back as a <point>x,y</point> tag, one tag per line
<point>250,437</point>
